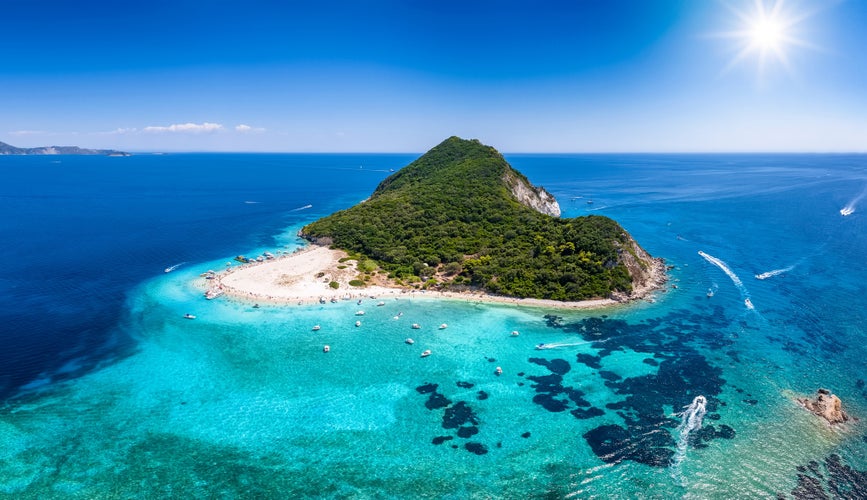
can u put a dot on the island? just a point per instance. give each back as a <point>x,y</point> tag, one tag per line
<point>7,149</point>
<point>457,222</point>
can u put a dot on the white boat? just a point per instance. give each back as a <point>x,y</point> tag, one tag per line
<point>358,323</point>
<point>380,304</point>
<point>514,333</point>
<point>316,328</point>
<point>498,371</point>
<point>359,313</point>
<point>425,353</point>
<point>213,293</point>
<point>326,348</point>
<point>749,304</point>
<point>416,326</point>
<point>443,326</point>
<point>189,316</point>
<point>846,211</point>
<point>409,341</point>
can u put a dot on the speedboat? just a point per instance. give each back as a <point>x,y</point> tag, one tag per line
<point>326,348</point>
<point>409,341</point>
<point>316,328</point>
<point>498,371</point>
<point>416,326</point>
<point>514,333</point>
<point>358,323</point>
<point>189,316</point>
<point>749,304</point>
<point>443,326</point>
<point>380,304</point>
<point>425,353</point>
<point>359,313</point>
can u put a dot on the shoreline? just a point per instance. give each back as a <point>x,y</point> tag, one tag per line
<point>303,278</point>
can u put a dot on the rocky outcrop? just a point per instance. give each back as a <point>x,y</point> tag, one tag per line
<point>648,273</point>
<point>531,196</point>
<point>825,405</point>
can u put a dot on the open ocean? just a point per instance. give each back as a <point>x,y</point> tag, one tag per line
<point>106,391</point>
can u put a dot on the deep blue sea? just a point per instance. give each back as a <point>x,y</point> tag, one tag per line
<point>106,391</point>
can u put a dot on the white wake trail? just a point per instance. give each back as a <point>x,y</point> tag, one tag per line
<point>305,207</point>
<point>775,272</point>
<point>849,209</point>
<point>691,418</point>
<point>745,294</point>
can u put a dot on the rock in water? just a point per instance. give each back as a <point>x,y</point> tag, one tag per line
<point>827,406</point>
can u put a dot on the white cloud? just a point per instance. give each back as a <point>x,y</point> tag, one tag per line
<point>26,132</point>
<point>190,128</point>
<point>246,129</point>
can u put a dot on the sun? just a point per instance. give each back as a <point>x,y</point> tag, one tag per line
<point>768,32</point>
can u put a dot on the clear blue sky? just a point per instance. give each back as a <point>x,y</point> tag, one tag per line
<point>546,76</point>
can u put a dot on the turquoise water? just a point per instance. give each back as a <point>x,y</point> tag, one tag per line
<point>110,393</point>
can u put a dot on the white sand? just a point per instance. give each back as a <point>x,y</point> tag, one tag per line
<point>293,279</point>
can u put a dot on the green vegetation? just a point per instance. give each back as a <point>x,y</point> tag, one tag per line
<point>356,283</point>
<point>450,220</point>
<point>334,285</point>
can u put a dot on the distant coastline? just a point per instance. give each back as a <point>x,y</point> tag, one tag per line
<point>305,277</point>
<point>8,149</point>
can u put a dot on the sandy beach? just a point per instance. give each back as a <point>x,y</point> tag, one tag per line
<point>304,277</point>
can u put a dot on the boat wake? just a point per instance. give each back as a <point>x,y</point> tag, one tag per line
<point>734,277</point>
<point>775,272</point>
<point>691,418</point>
<point>252,202</point>
<point>849,209</point>
<point>305,207</point>
<point>172,268</point>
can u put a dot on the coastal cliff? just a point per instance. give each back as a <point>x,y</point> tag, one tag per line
<point>8,149</point>
<point>460,217</point>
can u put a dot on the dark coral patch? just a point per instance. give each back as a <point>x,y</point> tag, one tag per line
<point>458,415</point>
<point>441,439</point>
<point>482,396</point>
<point>525,435</point>
<point>591,361</point>
<point>467,431</point>
<point>671,344</point>
<point>583,414</point>
<point>557,366</point>
<point>551,403</point>
<point>436,401</point>
<point>840,481</point>
<point>426,388</point>
<point>465,385</point>
<point>477,448</point>
<point>614,444</point>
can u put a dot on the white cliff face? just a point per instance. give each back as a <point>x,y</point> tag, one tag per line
<point>534,197</point>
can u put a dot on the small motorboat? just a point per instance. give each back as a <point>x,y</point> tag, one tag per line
<point>498,371</point>
<point>416,326</point>
<point>326,348</point>
<point>425,353</point>
<point>749,304</point>
<point>189,316</point>
<point>316,328</point>
<point>359,302</point>
<point>358,323</point>
<point>380,304</point>
<point>409,341</point>
<point>255,306</point>
<point>333,300</point>
<point>359,313</point>
<point>514,333</point>
<point>443,326</point>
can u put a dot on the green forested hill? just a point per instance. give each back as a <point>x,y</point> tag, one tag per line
<point>451,218</point>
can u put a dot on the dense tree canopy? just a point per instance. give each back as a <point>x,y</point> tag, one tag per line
<point>450,216</point>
